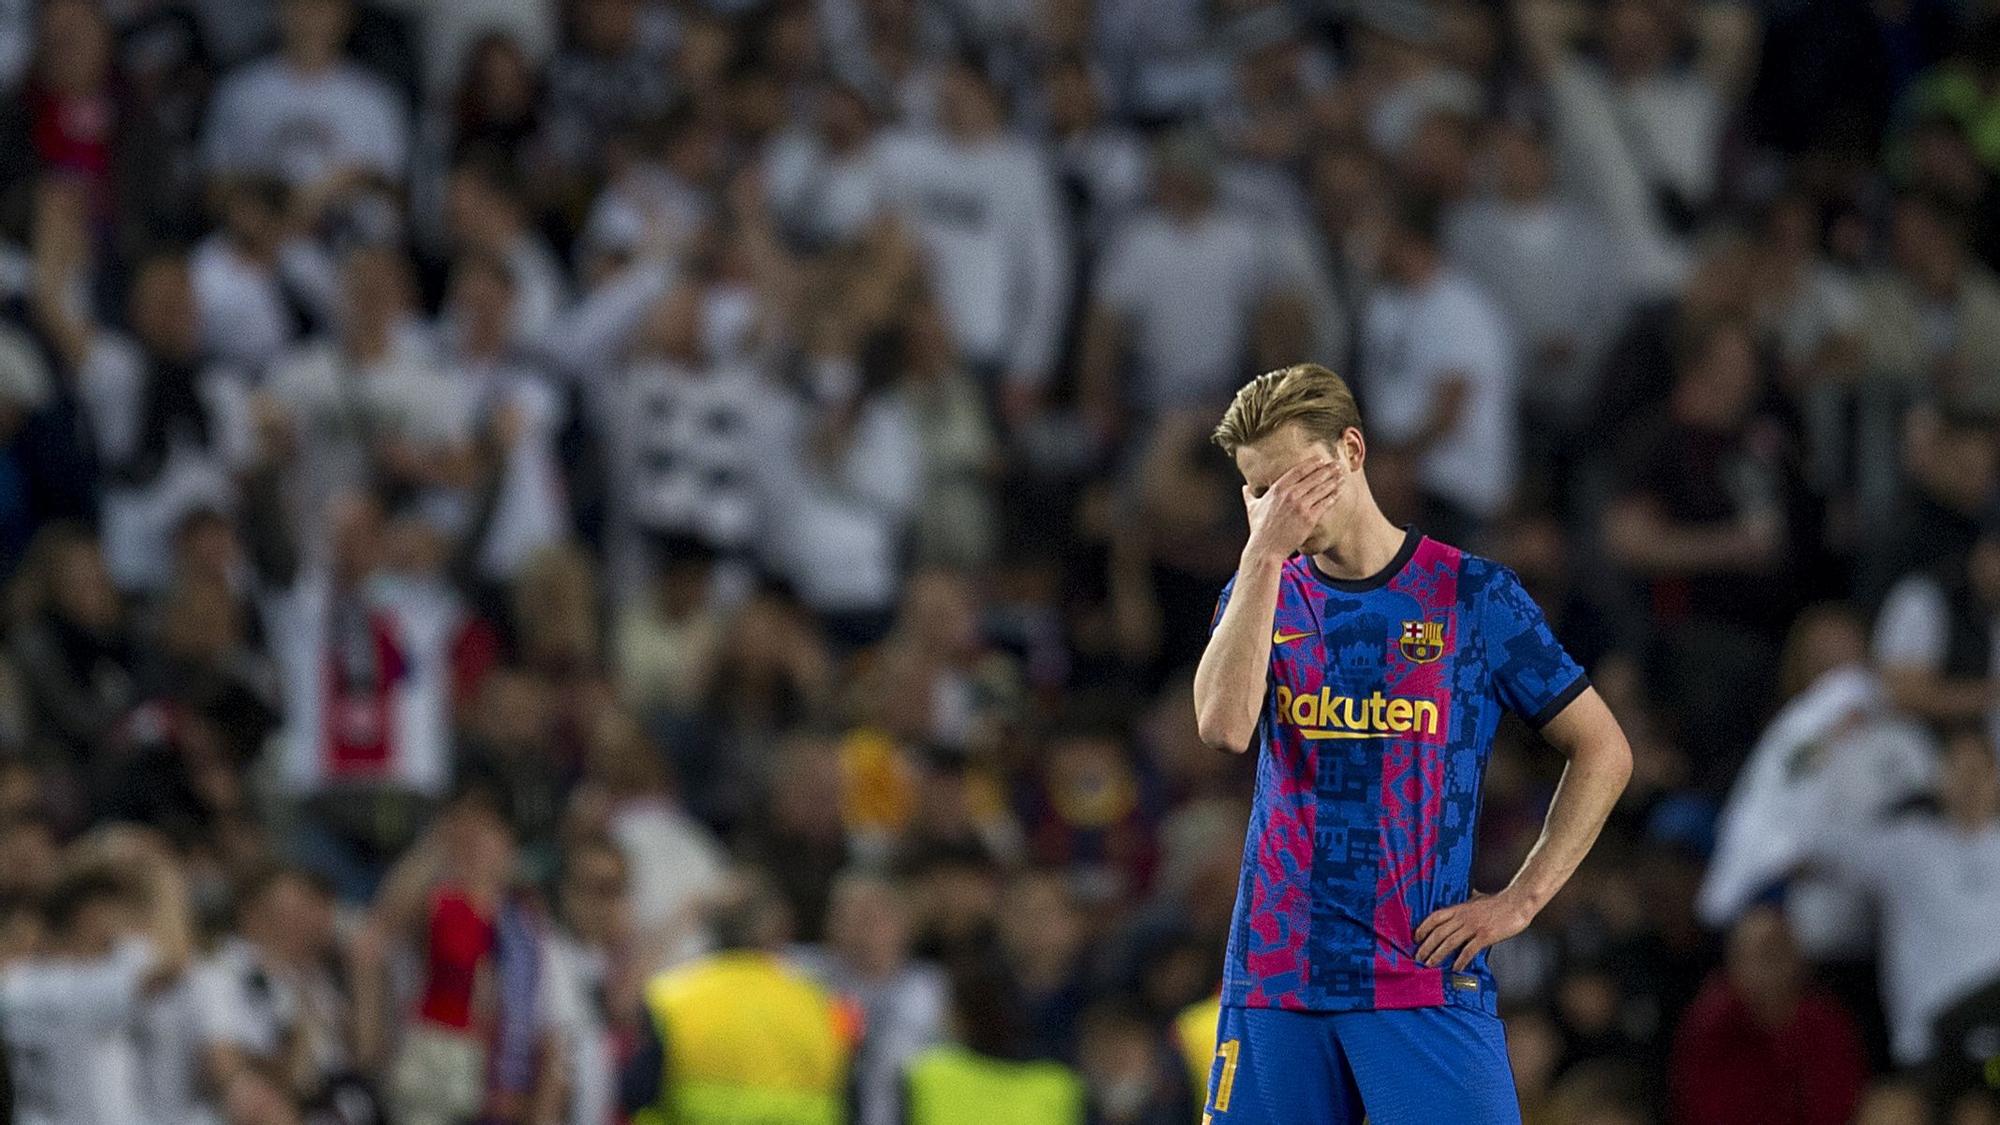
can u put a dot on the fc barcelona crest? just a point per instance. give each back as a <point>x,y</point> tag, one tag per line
<point>1422,641</point>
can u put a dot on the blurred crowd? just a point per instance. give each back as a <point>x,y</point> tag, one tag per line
<point>600,560</point>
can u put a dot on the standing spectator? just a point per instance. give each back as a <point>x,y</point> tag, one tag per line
<point>1699,518</point>
<point>1551,268</point>
<point>824,179</point>
<point>486,210</point>
<point>274,1015</point>
<point>1932,317</point>
<point>739,1032</point>
<point>593,943</point>
<point>71,638</point>
<point>1183,287</point>
<point>1937,883</point>
<point>902,1002</point>
<point>1438,370</point>
<point>258,286</point>
<point>1762,1043</point>
<point>614,73</point>
<point>171,427</point>
<point>72,1008</point>
<point>989,1071</point>
<point>983,204</point>
<point>323,124</point>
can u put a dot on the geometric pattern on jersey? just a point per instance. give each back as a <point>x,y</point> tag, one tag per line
<point>1383,698</point>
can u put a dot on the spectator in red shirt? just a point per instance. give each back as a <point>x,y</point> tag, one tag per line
<point>1762,1044</point>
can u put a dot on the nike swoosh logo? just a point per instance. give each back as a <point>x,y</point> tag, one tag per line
<point>1279,637</point>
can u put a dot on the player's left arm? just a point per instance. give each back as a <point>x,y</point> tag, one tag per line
<point>1600,762</point>
<point>1535,678</point>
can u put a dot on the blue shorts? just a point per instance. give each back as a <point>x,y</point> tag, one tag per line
<point>1415,1066</point>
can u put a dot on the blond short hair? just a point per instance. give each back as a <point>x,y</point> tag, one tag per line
<point>1304,393</point>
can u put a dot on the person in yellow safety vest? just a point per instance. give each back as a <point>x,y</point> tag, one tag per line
<point>985,1076</point>
<point>739,1037</point>
<point>1194,1033</point>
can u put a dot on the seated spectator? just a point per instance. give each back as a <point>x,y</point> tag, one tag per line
<point>1936,880</point>
<point>72,642</point>
<point>1042,933</point>
<point>1762,1043</point>
<point>667,640</point>
<point>1132,1074</point>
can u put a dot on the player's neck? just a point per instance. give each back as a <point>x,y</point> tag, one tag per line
<point>1365,548</point>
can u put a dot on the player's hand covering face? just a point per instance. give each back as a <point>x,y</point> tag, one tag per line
<point>1285,518</point>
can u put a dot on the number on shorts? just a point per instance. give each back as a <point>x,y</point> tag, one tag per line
<point>1226,1081</point>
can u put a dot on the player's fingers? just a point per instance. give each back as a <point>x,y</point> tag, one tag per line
<point>1441,940</point>
<point>1472,949</point>
<point>1433,921</point>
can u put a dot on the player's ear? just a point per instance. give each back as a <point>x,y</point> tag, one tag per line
<point>1353,449</point>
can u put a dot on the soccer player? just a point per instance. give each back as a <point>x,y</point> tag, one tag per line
<point>1370,665</point>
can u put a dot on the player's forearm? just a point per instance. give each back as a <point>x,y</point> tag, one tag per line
<point>1230,682</point>
<point>1597,772</point>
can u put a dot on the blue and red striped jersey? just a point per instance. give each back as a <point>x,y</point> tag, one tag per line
<point>1384,696</point>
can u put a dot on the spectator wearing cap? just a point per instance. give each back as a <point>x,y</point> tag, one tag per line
<point>1438,370</point>
<point>1936,883</point>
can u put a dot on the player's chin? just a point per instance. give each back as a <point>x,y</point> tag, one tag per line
<point>1315,543</point>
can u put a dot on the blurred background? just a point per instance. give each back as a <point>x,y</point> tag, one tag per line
<point>501,499</point>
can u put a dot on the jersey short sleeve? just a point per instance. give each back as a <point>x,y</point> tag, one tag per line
<point>1533,675</point>
<point>1221,603</point>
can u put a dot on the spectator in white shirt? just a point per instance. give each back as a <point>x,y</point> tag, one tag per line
<point>1183,288</point>
<point>1837,749</point>
<point>1438,371</point>
<point>486,211</point>
<point>983,205</point>
<point>271,1013</point>
<point>613,75</point>
<point>825,182</point>
<point>1936,883</point>
<point>593,942</point>
<point>1638,133</point>
<point>170,426</point>
<point>866,961</point>
<point>116,931</point>
<point>323,124</point>
<point>1101,164</point>
<point>257,286</point>
<point>1550,266</point>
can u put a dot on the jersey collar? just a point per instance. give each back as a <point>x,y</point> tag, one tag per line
<point>1377,580</point>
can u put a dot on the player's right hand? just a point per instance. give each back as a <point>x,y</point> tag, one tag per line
<point>1286,515</point>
